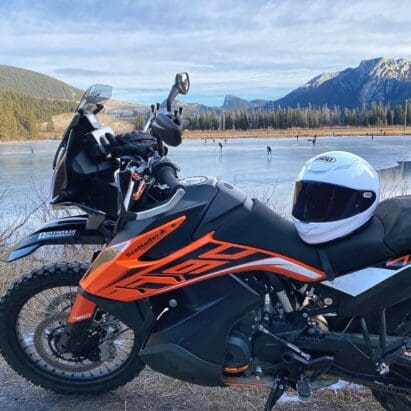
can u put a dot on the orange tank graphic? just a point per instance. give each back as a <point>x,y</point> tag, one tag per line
<point>120,272</point>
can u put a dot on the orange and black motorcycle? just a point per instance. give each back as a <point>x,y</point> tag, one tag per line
<point>200,282</point>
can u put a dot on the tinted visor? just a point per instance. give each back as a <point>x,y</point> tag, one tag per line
<point>323,202</point>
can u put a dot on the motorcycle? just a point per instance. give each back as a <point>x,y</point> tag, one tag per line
<point>200,282</point>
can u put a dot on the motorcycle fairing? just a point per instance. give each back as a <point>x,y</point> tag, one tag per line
<point>68,230</point>
<point>120,272</point>
<point>189,341</point>
<point>368,290</point>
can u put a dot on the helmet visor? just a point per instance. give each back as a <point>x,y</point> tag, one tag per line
<point>323,202</point>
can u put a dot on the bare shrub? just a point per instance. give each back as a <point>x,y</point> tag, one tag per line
<point>29,219</point>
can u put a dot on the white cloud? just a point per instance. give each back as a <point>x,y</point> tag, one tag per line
<point>228,47</point>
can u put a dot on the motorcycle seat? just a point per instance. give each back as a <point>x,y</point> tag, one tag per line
<point>395,215</point>
<point>386,235</point>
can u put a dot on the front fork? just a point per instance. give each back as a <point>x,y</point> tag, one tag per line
<point>76,336</point>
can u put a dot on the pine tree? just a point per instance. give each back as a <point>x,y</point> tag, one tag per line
<point>229,122</point>
<point>30,124</point>
<point>399,115</point>
<point>214,123</point>
<point>50,125</point>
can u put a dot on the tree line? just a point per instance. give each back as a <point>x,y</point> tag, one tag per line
<point>21,113</point>
<point>377,115</point>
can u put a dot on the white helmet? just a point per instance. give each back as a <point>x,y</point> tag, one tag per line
<point>335,194</point>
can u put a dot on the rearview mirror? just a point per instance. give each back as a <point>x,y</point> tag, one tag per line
<point>182,83</point>
<point>181,86</point>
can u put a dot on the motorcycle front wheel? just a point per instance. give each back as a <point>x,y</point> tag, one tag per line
<point>33,312</point>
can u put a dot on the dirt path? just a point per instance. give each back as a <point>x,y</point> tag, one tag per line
<point>152,391</point>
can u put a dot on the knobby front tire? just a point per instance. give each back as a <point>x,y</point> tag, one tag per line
<point>44,280</point>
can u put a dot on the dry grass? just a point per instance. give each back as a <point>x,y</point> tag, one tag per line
<point>301,132</point>
<point>61,122</point>
<point>122,125</point>
<point>152,391</point>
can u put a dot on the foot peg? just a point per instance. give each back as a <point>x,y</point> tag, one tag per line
<point>304,389</point>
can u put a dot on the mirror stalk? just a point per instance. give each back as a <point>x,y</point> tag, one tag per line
<point>171,97</point>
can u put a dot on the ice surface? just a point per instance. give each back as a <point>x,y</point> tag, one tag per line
<point>244,162</point>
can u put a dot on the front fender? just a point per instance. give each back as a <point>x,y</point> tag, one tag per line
<point>68,230</point>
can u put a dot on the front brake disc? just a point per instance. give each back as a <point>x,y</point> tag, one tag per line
<point>47,350</point>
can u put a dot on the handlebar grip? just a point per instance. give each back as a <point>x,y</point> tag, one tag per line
<point>186,123</point>
<point>167,175</point>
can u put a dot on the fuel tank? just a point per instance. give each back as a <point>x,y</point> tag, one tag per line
<point>207,205</point>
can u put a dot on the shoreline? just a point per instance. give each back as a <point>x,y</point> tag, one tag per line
<point>263,133</point>
<point>301,132</point>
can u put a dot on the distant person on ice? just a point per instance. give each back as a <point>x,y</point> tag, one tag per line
<point>268,151</point>
<point>313,140</point>
<point>221,147</point>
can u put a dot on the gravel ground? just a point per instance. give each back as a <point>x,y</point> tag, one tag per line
<point>152,391</point>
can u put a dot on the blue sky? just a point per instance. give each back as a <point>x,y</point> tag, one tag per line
<point>252,49</point>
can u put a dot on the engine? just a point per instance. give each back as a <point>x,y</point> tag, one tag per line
<point>249,350</point>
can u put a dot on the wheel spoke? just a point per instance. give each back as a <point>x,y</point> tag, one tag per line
<point>42,318</point>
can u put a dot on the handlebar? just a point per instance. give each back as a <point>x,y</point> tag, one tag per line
<point>166,174</point>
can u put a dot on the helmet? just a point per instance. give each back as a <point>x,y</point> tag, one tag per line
<point>335,194</point>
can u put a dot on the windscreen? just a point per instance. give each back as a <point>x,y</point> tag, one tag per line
<point>95,94</point>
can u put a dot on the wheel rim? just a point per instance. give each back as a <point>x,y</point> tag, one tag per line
<point>43,316</point>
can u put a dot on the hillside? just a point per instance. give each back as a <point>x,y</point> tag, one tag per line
<point>236,103</point>
<point>370,95</point>
<point>20,114</point>
<point>35,84</point>
<point>190,108</point>
<point>379,80</point>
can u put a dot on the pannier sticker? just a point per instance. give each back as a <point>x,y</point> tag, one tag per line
<point>57,234</point>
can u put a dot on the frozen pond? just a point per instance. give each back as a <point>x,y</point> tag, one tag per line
<point>25,168</point>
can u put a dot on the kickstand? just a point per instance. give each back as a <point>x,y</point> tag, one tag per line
<point>275,394</point>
